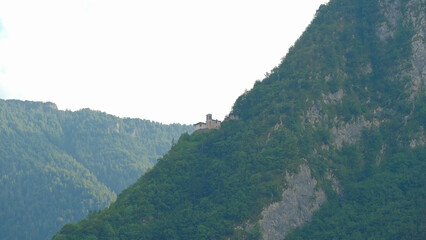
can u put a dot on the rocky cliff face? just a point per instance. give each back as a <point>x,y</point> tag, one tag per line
<point>410,14</point>
<point>415,16</point>
<point>300,199</point>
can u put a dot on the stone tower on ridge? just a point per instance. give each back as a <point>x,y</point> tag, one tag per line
<point>209,124</point>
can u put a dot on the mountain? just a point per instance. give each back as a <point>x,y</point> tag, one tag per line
<point>57,166</point>
<point>330,145</point>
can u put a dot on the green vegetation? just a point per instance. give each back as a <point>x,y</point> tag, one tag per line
<point>56,166</point>
<point>371,137</point>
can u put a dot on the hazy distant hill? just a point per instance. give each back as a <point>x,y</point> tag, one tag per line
<point>330,145</point>
<point>56,166</point>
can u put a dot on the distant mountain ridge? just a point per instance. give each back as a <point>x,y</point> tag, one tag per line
<point>56,166</point>
<point>330,145</point>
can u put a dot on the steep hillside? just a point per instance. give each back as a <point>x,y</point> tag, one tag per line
<point>56,166</point>
<point>330,145</point>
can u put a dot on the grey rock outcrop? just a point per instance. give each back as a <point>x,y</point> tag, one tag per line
<point>350,132</point>
<point>412,15</point>
<point>390,9</point>
<point>333,98</point>
<point>299,201</point>
<point>416,17</point>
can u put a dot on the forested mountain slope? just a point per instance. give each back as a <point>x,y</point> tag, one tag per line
<point>330,145</point>
<point>56,166</point>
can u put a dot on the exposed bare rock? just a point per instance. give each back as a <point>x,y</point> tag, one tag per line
<point>115,128</point>
<point>335,184</point>
<point>392,15</point>
<point>419,140</point>
<point>367,69</point>
<point>380,155</point>
<point>412,15</point>
<point>416,15</point>
<point>313,115</point>
<point>348,132</point>
<point>333,98</point>
<point>300,200</point>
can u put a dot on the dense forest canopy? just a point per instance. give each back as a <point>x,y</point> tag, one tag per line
<point>56,166</point>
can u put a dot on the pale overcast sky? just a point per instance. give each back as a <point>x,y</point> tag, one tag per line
<point>165,60</point>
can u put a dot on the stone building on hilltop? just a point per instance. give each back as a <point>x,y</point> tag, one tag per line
<point>209,124</point>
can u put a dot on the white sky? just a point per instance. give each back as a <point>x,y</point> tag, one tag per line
<point>164,60</point>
